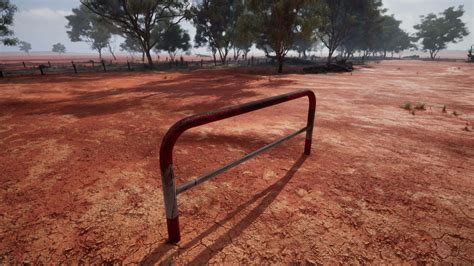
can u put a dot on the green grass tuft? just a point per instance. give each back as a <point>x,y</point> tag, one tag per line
<point>407,106</point>
<point>420,106</point>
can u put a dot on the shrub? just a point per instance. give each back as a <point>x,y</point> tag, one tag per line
<point>420,106</point>
<point>407,106</point>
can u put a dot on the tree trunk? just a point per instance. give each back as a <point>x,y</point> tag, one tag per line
<point>223,55</point>
<point>280,63</point>
<point>149,58</point>
<point>112,52</point>
<point>100,53</point>
<point>143,56</point>
<point>330,56</point>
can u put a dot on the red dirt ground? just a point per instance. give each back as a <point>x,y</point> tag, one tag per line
<point>80,171</point>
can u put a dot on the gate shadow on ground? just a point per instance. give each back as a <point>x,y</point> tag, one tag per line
<point>267,196</point>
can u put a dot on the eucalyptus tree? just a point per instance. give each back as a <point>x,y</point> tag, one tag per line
<point>86,26</point>
<point>279,22</point>
<point>59,48</point>
<point>138,18</point>
<point>172,39</point>
<point>132,45</point>
<point>365,32</point>
<point>24,46</point>
<point>436,31</point>
<point>7,11</point>
<point>216,24</point>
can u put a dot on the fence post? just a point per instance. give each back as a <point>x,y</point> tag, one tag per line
<point>24,65</point>
<point>41,69</point>
<point>1,74</point>
<point>103,65</point>
<point>74,66</point>
<point>128,66</point>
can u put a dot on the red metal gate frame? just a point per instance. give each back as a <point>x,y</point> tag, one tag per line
<point>166,150</point>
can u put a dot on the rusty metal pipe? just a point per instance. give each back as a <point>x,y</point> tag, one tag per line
<point>199,180</point>
<point>166,150</point>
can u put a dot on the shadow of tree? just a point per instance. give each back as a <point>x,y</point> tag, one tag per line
<point>211,90</point>
<point>267,196</point>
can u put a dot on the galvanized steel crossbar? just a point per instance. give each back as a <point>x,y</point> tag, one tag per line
<point>170,191</point>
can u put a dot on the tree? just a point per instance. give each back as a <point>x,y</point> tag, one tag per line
<point>245,35</point>
<point>388,36</point>
<point>215,22</point>
<point>137,18</point>
<point>7,10</point>
<point>172,39</point>
<point>279,22</point>
<point>87,26</point>
<point>132,45</point>
<point>304,42</point>
<point>437,31</point>
<point>365,32</point>
<point>24,46</point>
<point>59,48</point>
<point>342,19</point>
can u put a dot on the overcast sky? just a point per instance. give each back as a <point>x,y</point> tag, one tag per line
<point>42,22</point>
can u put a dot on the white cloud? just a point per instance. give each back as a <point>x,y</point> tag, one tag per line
<point>44,13</point>
<point>42,27</point>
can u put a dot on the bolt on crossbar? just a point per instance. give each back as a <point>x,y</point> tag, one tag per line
<point>170,191</point>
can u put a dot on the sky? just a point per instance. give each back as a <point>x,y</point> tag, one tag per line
<point>42,22</point>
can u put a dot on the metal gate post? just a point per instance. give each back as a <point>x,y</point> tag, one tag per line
<point>170,191</point>
<point>171,205</point>
<point>310,125</point>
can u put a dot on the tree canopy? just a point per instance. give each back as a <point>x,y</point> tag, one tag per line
<point>435,32</point>
<point>7,11</point>
<point>216,24</point>
<point>171,39</point>
<point>137,18</point>
<point>59,48</point>
<point>24,46</point>
<point>89,27</point>
<point>280,21</point>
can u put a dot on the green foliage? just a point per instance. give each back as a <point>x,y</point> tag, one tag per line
<point>89,27</point>
<point>305,38</point>
<point>137,18</point>
<point>24,46</point>
<point>435,32</point>
<point>216,24</point>
<point>341,18</point>
<point>245,33</point>
<point>407,106</point>
<point>391,37</point>
<point>59,48</point>
<point>420,106</point>
<point>7,11</point>
<point>131,45</point>
<point>279,22</point>
<point>172,39</point>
